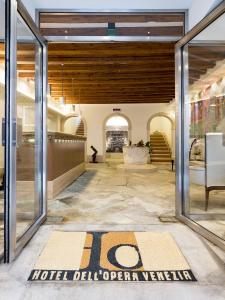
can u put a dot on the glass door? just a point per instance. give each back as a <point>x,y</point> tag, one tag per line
<point>201,127</point>
<point>2,120</point>
<point>25,208</point>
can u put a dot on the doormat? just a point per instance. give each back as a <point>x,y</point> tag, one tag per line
<point>111,256</point>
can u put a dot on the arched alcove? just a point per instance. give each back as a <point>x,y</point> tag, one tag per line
<point>163,123</point>
<point>74,124</point>
<point>116,133</point>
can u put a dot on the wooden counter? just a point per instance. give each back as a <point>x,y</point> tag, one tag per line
<point>65,160</point>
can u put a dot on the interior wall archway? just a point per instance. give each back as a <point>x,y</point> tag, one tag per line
<point>106,128</point>
<point>168,122</point>
<point>77,125</point>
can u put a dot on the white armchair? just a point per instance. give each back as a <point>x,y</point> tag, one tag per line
<point>215,163</point>
<point>211,172</point>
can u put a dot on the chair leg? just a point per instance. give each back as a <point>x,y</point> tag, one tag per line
<point>172,161</point>
<point>206,198</point>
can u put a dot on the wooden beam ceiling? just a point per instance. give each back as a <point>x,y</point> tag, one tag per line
<point>111,77</point>
<point>109,18</point>
<point>131,72</point>
<point>105,72</point>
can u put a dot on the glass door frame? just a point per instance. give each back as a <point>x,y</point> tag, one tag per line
<point>13,246</point>
<point>182,127</point>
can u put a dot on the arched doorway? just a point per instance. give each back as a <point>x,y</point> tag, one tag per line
<point>163,124</point>
<point>116,132</point>
<point>74,124</point>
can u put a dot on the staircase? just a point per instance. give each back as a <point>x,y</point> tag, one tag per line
<point>160,148</point>
<point>79,126</point>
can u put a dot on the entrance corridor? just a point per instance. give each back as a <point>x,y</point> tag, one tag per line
<point>106,198</point>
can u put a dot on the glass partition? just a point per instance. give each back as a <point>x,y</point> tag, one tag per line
<point>2,116</point>
<point>25,147</point>
<point>201,149</point>
<point>28,129</point>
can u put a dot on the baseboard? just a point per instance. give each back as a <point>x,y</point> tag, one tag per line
<point>54,186</point>
<point>60,183</point>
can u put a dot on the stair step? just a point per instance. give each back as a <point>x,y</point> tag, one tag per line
<point>161,159</point>
<point>160,155</point>
<point>162,151</point>
<point>160,148</point>
<point>164,147</point>
<point>156,140</point>
<point>159,145</point>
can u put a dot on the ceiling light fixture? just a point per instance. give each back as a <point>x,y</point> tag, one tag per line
<point>62,98</point>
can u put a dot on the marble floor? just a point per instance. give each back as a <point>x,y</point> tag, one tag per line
<point>108,198</point>
<point>108,195</point>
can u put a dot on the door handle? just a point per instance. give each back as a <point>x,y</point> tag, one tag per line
<point>16,132</point>
<point>3,132</point>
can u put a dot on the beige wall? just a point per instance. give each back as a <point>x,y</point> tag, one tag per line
<point>138,115</point>
<point>95,117</point>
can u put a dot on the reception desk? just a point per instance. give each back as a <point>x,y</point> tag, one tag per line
<point>65,160</point>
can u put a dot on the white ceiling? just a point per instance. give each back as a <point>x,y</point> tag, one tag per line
<point>197,8</point>
<point>214,32</point>
<point>111,4</point>
<point>107,5</point>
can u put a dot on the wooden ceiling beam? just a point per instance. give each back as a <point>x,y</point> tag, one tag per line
<point>120,82</point>
<point>99,76</point>
<point>160,66</point>
<point>120,31</point>
<point>112,46</point>
<point>110,18</point>
<point>59,93</point>
<point>152,99</point>
<point>75,90</point>
<point>99,85</point>
<point>119,101</point>
<point>106,53</point>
